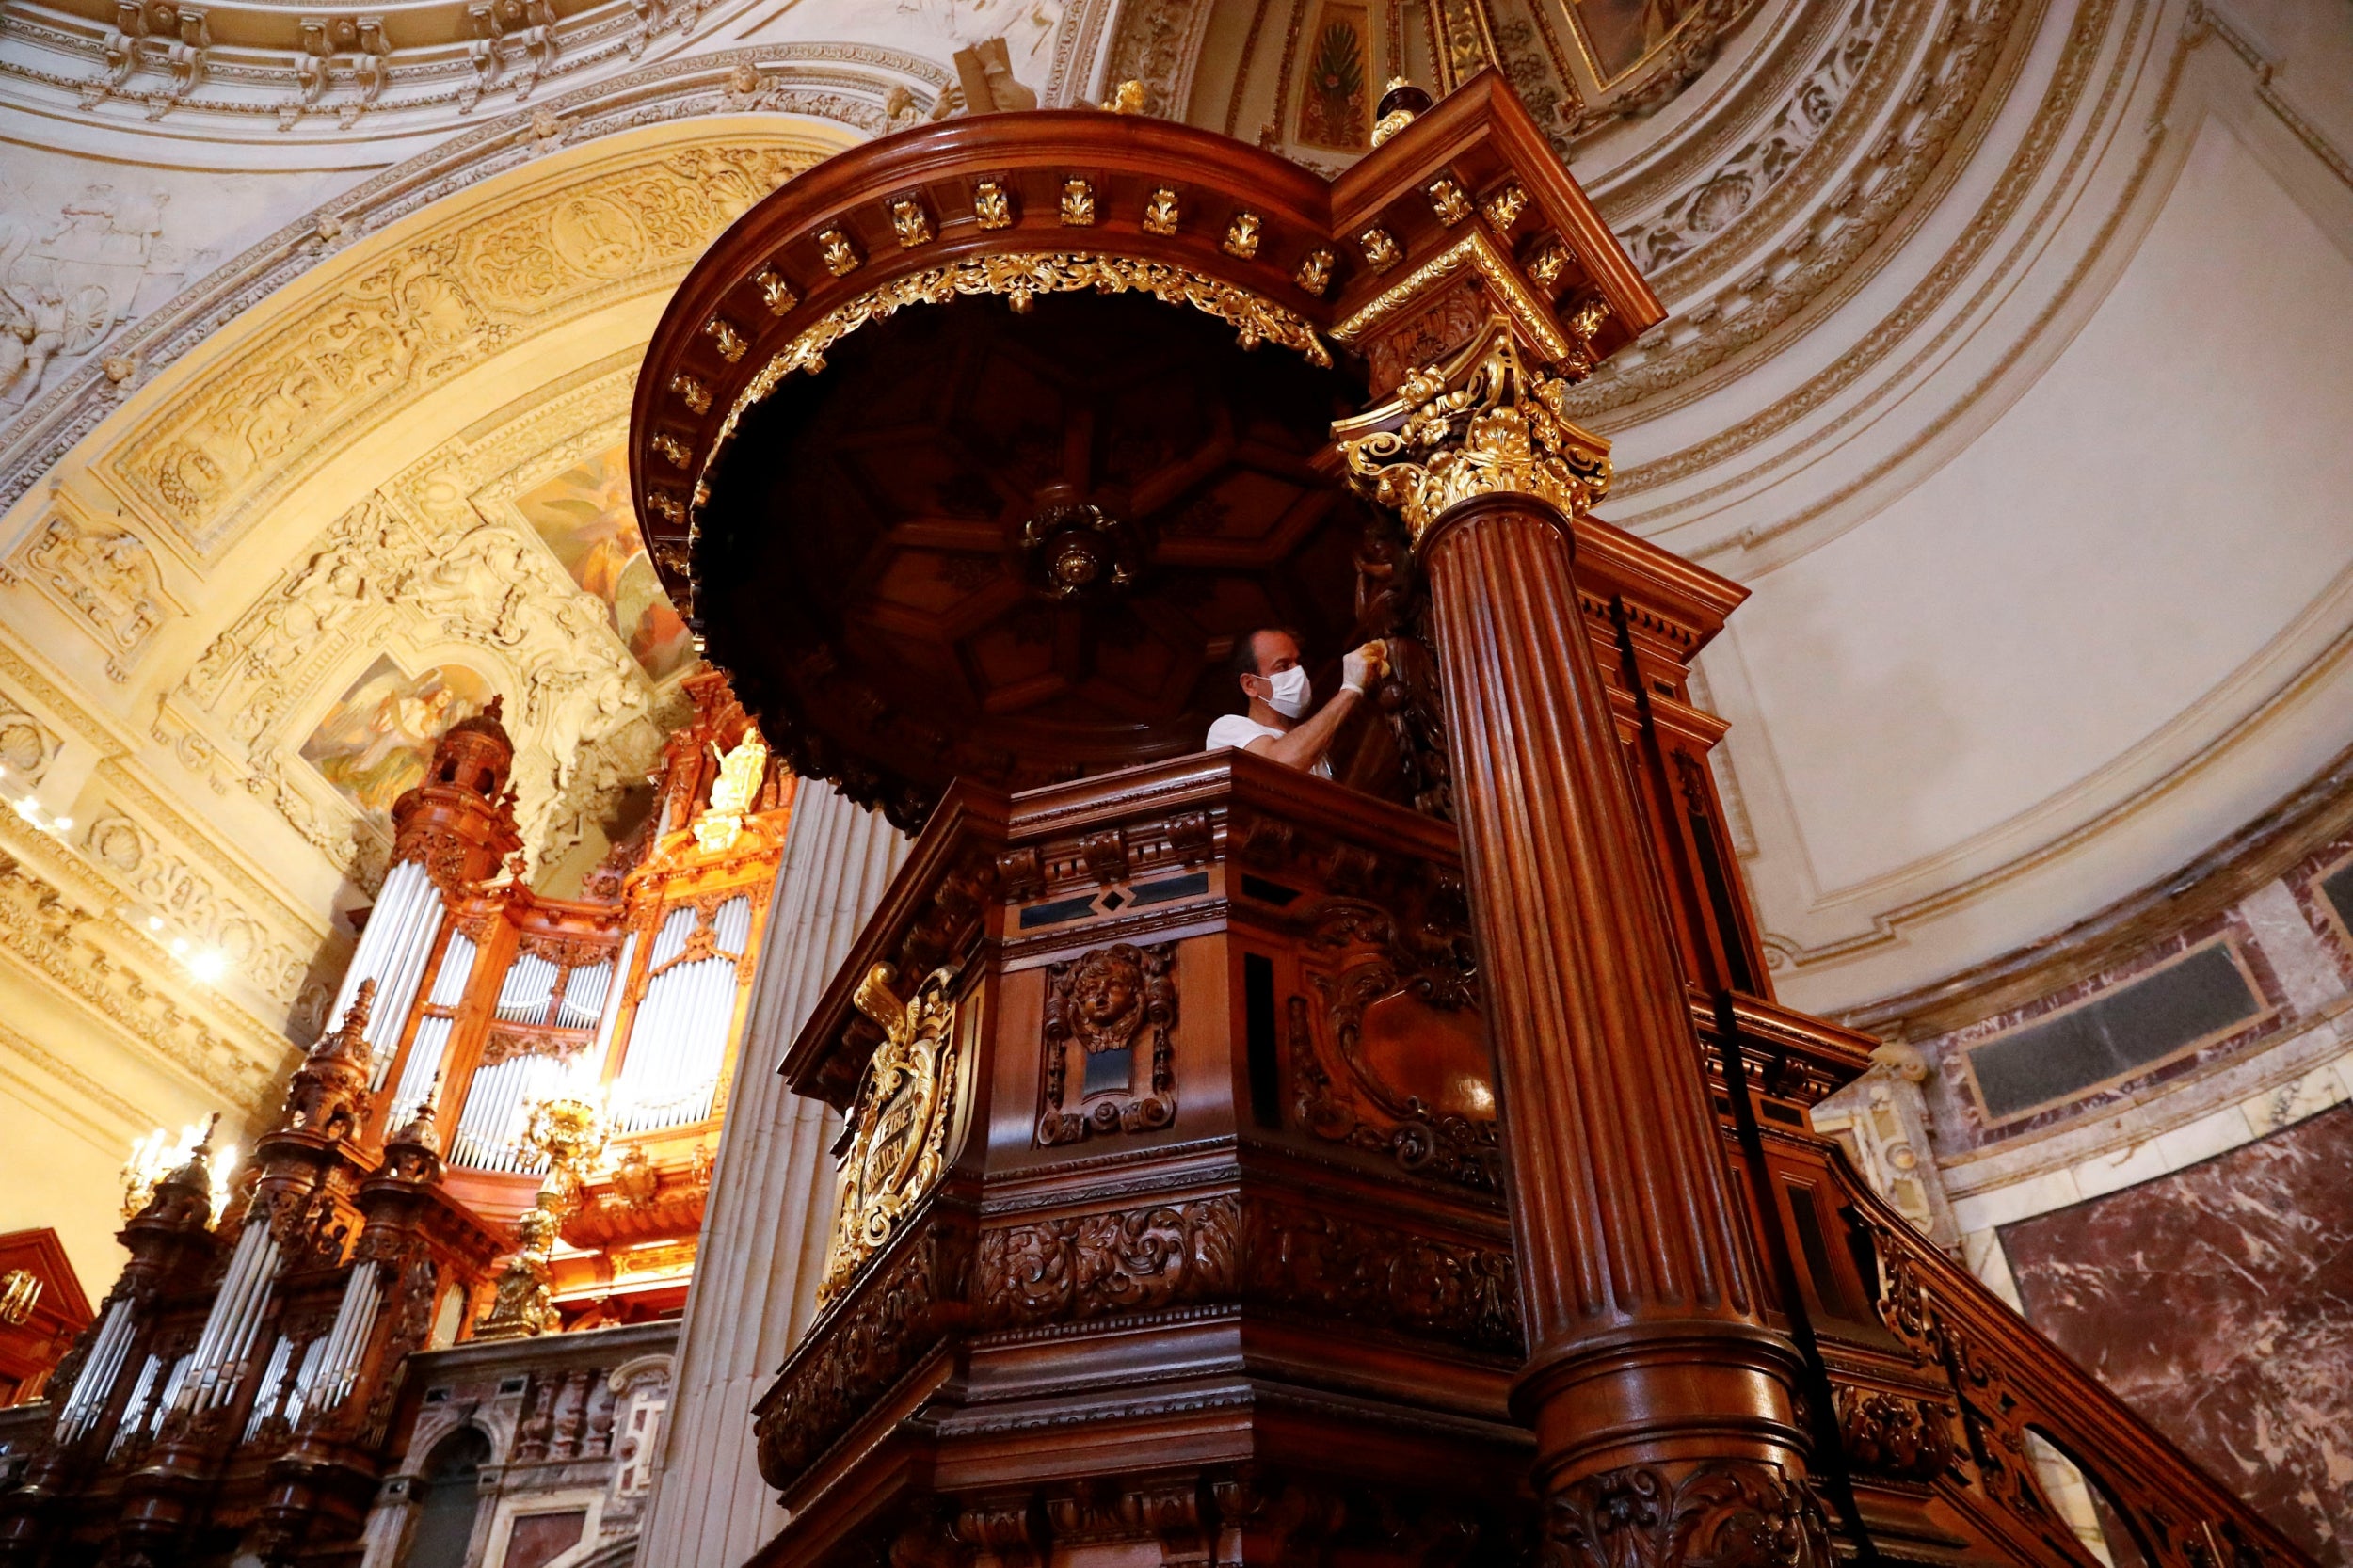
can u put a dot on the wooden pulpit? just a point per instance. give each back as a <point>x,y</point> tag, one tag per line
<point>1243,1167</point>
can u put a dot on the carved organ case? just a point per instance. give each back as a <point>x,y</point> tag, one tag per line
<point>242,1382</point>
<point>1240,1167</point>
<point>634,999</point>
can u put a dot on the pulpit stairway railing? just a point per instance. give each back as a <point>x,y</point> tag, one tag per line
<point>1938,1399</point>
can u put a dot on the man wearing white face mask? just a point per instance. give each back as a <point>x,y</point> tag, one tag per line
<point>1266,664</point>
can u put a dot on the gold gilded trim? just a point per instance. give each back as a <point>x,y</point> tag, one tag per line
<point>1020,278</point>
<point>899,1123</point>
<point>1483,424</point>
<point>1527,314</point>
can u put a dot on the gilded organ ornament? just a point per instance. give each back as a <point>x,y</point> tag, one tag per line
<point>840,252</point>
<point>1504,207</point>
<point>1484,424</point>
<point>1077,203</point>
<point>1161,213</point>
<point>1550,261</point>
<point>896,1141</point>
<point>732,793</point>
<point>1110,1053</point>
<point>730,341</point>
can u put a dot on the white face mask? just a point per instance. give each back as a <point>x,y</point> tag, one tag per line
<point>1291,692</point>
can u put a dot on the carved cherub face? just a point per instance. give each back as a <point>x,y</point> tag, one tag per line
<point>1106,993</point>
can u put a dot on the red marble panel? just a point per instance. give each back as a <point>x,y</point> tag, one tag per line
<point>2219,1303</point>
<point>540,1538</point>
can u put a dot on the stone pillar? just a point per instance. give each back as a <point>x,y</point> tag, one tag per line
<point>1661,1402</point>
<point>763,1238</point>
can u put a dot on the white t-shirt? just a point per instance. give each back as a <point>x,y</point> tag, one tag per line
<point>1239,729</point>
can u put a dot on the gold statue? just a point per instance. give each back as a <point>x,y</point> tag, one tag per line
<point>734,792</point>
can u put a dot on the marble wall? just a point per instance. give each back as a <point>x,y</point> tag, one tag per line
<point>2218,1301</point>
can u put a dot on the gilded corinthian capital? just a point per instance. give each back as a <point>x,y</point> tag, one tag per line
<point>1482,423</point>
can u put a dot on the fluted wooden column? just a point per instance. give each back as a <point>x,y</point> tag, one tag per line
<point>1652,1375</point>
<point>763,1238</point>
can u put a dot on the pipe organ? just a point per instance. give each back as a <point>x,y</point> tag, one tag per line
<point>246,1375</point>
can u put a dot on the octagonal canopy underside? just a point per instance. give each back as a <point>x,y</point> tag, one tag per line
<point>878,565</point>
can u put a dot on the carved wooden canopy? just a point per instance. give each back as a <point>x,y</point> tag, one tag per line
<point>935,533</point>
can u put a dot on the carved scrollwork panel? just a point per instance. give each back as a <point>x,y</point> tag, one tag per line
<point>1429,1287</point>
<point>1101,1009</point>
<point>884,1329</point>
<point>1399,1065</point>
<point>1895,1435</point>
<point>1086,1266</point>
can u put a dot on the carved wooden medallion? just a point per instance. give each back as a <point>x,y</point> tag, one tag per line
<point>1102,1009</point>
<point>898,1127</point>
<point>1400,1065</point>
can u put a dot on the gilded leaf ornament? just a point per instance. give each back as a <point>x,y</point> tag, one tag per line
<point>1484,424</point>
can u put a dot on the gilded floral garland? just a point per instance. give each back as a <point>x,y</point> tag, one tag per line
<point>1021,279</point>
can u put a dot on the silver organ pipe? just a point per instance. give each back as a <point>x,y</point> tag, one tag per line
<point>529,987</point>
<point>235,1317</point>
<point>432,1042</point>
<point>677,1043</point>
<point>585,997</point>
<point>394,946</point>
<point>305,1376</point>
<point>273,1389</point>
<point>173,1383</point>
<point>135,1408</point>
<point>99,1372</point>
<point>497,1103</point>
<point>325,1383</point>
<point>615,988</point>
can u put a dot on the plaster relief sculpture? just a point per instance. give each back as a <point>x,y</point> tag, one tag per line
<point>432,308</point>
<point>485,585</point>
<point>105,579</point>
<point>1102,1009</point>
<point>27,744</point>
<point>67,281</point>
<point>191,899</point>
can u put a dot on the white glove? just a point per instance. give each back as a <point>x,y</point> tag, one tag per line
<point>1358,669</point>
